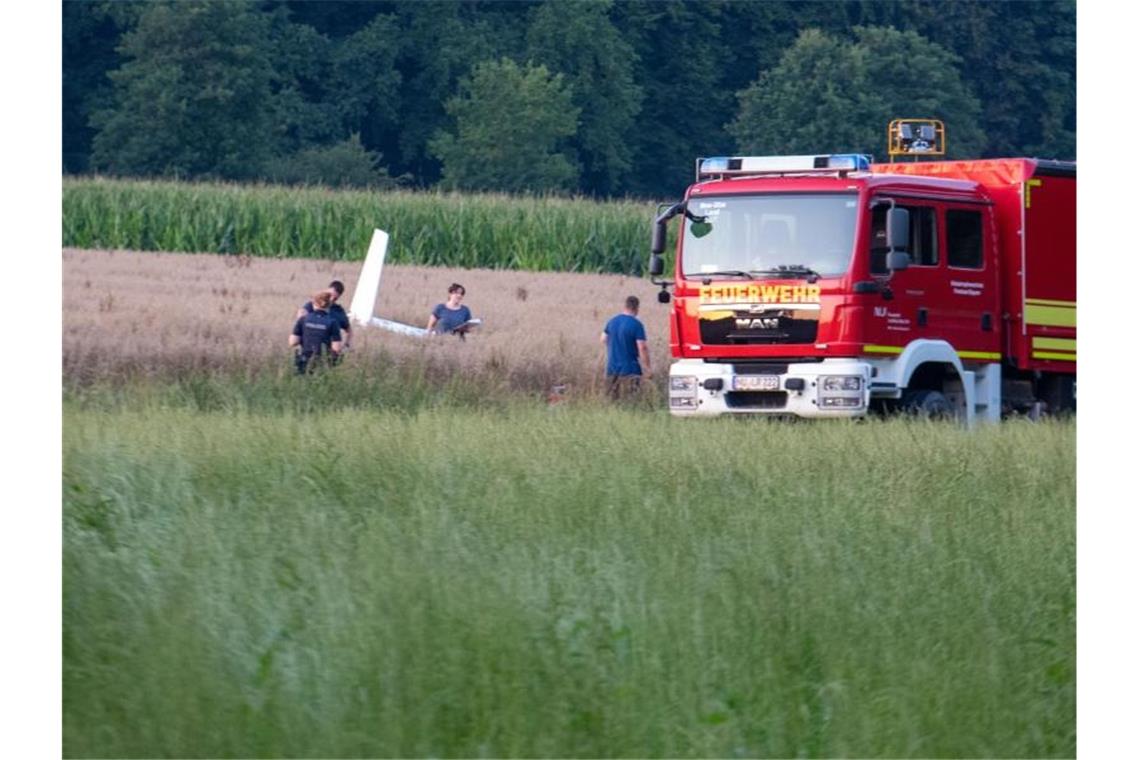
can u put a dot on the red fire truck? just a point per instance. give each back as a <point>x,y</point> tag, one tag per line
<point>829,286</point>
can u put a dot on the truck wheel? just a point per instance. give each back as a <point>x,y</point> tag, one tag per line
<point>1059,392</point>
<point>927,405</point>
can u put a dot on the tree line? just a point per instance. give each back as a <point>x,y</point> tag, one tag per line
<point>594,97</point>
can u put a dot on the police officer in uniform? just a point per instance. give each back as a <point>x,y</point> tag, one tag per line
<point>316,334</point>
<point>335,291</point>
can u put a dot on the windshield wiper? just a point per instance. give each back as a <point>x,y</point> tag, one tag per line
<point>794,269</point>
<point>706,277</point>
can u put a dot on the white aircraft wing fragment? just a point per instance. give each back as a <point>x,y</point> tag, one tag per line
<point>397,327</point>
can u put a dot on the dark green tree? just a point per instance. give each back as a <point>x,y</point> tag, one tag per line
<point>344,164</point>
<point>511,126</point>
<point>916,77</point>
<point>578,40</point>
<point>305,105</point>
<point>816,100</point>
<point>91,32</point>
<point>827,95</point>
<point>194,95</point>
<point>443,40</point>
<point>1020,59</point>
<point>366,81</point>
<point>680,63</point>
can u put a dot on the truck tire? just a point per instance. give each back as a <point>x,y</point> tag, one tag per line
<point>1059,392</point>
<point>927,405</point>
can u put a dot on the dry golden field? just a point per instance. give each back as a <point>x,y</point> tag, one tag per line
<point>127,313</point>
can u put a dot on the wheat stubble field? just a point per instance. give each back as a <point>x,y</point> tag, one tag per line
<point>415,555</point>
<point>130,313</point>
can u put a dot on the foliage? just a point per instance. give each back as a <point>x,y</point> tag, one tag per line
<point>579,39</point>
<point>154,88</point>
<point>365,79</point>
<point>680,64</point>
<point>192,97</point>
<point>346,164</point>
<point>1021,60</point>
<point>827,95</point>
<point>510,124</point>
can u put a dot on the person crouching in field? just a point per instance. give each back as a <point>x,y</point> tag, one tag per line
<point>451,317</point>
<point>316,334</point>
<point>335,291</point>
<point>627,354</point>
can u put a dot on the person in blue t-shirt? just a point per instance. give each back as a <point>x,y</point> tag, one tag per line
<point>451,317</point>
<point>627,354</point>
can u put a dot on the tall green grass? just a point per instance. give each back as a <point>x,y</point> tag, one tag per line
<point>485,231</point>
<point>525,581</point>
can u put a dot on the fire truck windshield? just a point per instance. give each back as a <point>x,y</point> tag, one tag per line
<point>770,234</point>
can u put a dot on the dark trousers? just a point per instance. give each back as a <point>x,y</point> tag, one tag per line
<point>308,362</point>
<point>623,386</point>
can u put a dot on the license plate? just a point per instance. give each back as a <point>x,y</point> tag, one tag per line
<point>756,382</point>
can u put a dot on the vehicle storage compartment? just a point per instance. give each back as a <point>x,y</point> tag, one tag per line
<point>1035,212</point>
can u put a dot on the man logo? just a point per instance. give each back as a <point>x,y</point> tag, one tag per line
<point>759,323</point>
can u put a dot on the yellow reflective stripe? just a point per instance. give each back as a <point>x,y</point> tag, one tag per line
<point>1048,302</point>
<point>1054,355</point>
<point>882,349</point>
<point>979,355</point>
<point>1062,344</point>
<point>1028,185</point>
<point>1051,316</point>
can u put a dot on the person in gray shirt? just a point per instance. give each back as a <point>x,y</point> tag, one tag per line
<point>451,317</point>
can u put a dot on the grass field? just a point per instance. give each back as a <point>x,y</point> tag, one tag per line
<point>527,581</point>
<point>416,555</point>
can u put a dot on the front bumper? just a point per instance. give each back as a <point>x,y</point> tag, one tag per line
<point>707,389</point>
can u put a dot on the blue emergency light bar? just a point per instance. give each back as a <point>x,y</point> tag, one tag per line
<point>744,165</point>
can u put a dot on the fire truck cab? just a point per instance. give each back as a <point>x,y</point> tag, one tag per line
<point>828,286</point>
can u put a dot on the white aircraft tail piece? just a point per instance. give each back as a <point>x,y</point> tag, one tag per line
<point>368,284</point>
<point>368,288</point>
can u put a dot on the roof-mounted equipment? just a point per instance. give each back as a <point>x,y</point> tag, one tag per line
<point>917,138</point>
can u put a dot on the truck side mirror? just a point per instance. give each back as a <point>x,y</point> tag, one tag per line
<point>657,245</point>
<point>656,264</point>
<point>897,261</point>
<point>898,228</point>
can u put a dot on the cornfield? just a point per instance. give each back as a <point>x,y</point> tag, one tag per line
<point>426,228</point>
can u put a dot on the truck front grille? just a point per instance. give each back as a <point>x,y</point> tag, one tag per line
<point>742,328</point>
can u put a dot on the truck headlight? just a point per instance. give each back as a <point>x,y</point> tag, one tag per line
<point>841,401</point>
<point>682,401</point>
<point>682,385</point>
<point>841,383</point>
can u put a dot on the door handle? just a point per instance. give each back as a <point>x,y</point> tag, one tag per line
<point>922,316</point>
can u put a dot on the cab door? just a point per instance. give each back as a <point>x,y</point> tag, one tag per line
<point>907,312</point>
<point>949,290</point>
